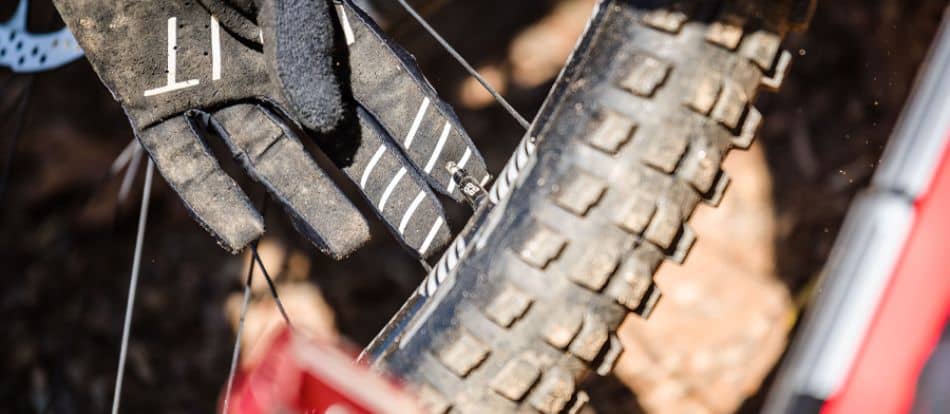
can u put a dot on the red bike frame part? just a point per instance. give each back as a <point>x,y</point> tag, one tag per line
<point>298,375</point>
<point>884,297</point>
<point>911,315</point>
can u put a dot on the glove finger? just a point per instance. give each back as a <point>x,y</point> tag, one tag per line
<point>236,16</point>
<point>387,82</point>
<point>212,197</point>
<point>272,155</point>
<point>400,195</point>
<point>299,46</point>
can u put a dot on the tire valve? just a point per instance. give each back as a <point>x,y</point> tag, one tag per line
<point>473,192</point>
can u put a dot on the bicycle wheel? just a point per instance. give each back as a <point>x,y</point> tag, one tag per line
<point>527,299</point>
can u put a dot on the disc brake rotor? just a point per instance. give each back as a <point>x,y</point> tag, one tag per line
<point>27,52</point>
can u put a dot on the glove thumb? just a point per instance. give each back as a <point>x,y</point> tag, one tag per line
<point>300,50</point>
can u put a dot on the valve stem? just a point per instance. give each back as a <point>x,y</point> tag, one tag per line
<point>473,192</point>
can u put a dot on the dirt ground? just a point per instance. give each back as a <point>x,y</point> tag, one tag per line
<point>66,244</point>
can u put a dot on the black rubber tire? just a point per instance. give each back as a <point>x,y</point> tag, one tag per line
<point>629,142</point>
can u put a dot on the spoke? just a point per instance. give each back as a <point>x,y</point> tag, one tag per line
<point>124,157</point>
<point>271,286</point>
<point>19,120</point>
<point>237,337</point>
<point>236,353</point>
<point>130,174</point>
<point>133,285</point>
<point>458,57</point>
<point>5,86</point>
<point>425,265</point>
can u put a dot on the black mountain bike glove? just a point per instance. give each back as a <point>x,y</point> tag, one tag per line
<point>254,72</point>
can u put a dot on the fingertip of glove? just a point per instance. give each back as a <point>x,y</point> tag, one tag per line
<point>349,239</point>
<point>339,241</point>
<point>241,231</point>
<point>230,218</point>
<point>321,112</point>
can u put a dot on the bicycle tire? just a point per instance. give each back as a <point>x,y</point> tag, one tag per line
<point>630,140</point>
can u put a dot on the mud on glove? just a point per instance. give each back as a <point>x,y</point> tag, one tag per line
<point>252,72</point>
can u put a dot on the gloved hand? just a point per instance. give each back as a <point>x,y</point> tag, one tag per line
<point>252,73</point>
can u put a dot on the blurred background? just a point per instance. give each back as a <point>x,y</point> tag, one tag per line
<point>66,241</point>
